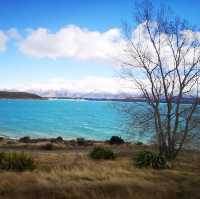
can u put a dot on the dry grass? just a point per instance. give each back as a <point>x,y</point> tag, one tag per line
<point>72,175</point>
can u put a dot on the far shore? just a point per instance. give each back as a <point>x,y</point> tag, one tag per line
<point>16,95</point>
<point>61,145</point>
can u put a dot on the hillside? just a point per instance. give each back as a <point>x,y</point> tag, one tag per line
<point>18,95</point>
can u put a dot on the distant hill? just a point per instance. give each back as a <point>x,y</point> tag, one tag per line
<point>18,95</point>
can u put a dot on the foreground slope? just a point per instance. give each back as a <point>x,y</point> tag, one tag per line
<point>68,173</point>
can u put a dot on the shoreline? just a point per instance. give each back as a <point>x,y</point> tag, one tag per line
<point>59,145</point>
<point>129,100</point>
<point>80,144</point>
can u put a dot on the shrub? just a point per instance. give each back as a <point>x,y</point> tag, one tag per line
<point>47,146</point>
<point>159,162</point>
<point>16,161</point>
<point>139,143</point>
<point>81,141</point>
<point>1,139</point>
<point>58,139</point>
<point>25,139</point>
<point>102,153</point>
<point>11,142</point>
<point>150,159</point>
<point>116,140</point>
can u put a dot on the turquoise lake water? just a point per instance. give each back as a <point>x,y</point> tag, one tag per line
<point>70,119</point>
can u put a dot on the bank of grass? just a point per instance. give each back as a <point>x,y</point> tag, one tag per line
<point>73,175</point>
<point>12,161</point>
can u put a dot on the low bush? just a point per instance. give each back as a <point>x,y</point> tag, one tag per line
<point>116,140</point>
<point>139,143</point>
<point>25,139</point>
<point>16,161</point>
<point>1,139</point>
<point>58,139</point>
<point>81,141</point>
<point>37,140</point>
<point>150,159</point>
<point>102,153</point>
<point>11,142</point>
<point>48,147</point>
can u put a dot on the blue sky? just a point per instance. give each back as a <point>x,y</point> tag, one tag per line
<point>19,19</point>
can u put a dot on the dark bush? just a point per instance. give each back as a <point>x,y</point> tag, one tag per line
<point>47,146</point>
<point>159,162</point>
<point>81,141</point>
<point>1,139</point>
<point>143,159</point>
<point>116,140</point>
<point>16,161</point>
<point>25,139</point>
<point>11,142</point>
<point>139,143</point>
<point>58,139</point>
<point>150,159</point>
<point>102,153</point>
<point>36,140</point>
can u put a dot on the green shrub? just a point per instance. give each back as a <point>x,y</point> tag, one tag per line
<point>116,140</point>
<point>102,153</point>
<point>16,161</point>
<point>25,139</point>
<point>47,146</point>
<point>58,139</point>
<point>150,159</point>
<point>81,141</point>
<point>139,143</point>
<point>11,142</point>
<point>159,162</point>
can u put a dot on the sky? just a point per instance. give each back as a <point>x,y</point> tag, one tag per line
<point>51,44</point>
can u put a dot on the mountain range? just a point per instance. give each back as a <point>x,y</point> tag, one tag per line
<point>79,95</point>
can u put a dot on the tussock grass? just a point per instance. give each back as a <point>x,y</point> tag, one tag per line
<point>16,161</point>
<point>73,175</point>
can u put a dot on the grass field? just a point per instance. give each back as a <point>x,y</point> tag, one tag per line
<point>71,174</point>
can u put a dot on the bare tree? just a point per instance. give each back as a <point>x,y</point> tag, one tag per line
<point>165,51</point>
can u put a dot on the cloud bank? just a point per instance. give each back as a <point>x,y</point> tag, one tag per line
<point>73,42</point>
<point>92,86</point>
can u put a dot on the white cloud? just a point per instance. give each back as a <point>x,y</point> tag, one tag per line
<point>80,43</point>
<point>12,33</point>
<point>73,42</point>
<point>3,41</point>
<point>142,42</point>
<point>6,36</point>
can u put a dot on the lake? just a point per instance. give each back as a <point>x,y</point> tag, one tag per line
<point>70,119</point>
